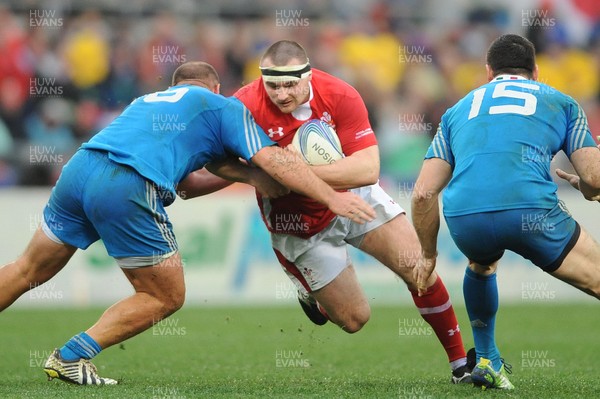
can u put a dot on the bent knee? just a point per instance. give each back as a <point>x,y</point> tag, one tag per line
<point>172,302</point>
<point>176,301</point>
<point>357,320</point>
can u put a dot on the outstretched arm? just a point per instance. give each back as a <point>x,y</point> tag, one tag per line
<point>285,166</point>
<point>218,175</point>
<point>357,170</point>
<point>243,137</point>
<point>586,162</point>
<point>200,182</point>
<point>435,175</point>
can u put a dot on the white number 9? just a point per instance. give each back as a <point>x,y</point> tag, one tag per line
<point>168,96</point>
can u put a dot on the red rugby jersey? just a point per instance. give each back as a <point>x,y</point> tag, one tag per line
<point>333,101</point>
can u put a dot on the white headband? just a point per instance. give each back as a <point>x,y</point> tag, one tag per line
<point>285,73</point>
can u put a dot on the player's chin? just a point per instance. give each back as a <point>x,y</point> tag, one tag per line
<point>287,108</point>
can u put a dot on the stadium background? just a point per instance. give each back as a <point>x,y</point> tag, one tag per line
<point>67,68</point>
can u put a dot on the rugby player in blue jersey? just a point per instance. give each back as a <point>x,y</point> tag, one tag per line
<point>492,154</point>
<point>116,188</point>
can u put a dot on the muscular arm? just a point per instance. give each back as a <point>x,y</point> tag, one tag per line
<point>200,182</point>
<point>586,162</point>
<point>434,176</point>
<point>357,170</point>
<point>285,166</point>
<point>218,175</point>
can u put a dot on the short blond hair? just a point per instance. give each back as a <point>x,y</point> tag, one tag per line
<point>196,70</point>
<point>282,52</point>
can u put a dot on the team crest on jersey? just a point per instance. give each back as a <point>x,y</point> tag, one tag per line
<point>308,274</point>
<point>279,132</point>
<point>327,119</point>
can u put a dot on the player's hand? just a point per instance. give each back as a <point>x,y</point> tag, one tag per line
<point>266,185</point>
<point>353,207</point>
<point>422,272</point>
<point>572,179</point>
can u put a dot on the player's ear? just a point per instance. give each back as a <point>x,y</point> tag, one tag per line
<point>535,73</point>
<point>489,73</point>
<point>217,88</point>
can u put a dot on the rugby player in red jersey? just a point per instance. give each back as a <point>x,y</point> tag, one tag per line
<point>311,242</point>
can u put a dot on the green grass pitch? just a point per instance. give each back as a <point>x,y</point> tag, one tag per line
<point>222,352</point>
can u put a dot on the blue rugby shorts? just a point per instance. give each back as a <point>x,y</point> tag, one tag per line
<point>96,198</point>
<point>544,236</point>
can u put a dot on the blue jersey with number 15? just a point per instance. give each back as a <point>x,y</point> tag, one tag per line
<point>500,139</point>
<point>166,135</point>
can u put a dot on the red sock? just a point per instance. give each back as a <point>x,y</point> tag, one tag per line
<point>436,309</point>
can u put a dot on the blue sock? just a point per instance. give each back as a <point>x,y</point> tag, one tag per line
<point>80,346</point>
<point>481,300</point>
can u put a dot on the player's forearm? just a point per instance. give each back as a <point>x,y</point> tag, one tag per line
<point>214,177</point>
<point>289,169</point>
<point>426,220</point>
<point>346,174</point>
<point>589,178</point>
<point>591,193</point>
<point>238,171</point>
<point>435,174</point>
<point>586,162</point>
<point>357,170</point>
<point>200,182</point>
<point>232,169</point>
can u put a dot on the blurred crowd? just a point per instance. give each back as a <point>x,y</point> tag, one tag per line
<point>67,72</point>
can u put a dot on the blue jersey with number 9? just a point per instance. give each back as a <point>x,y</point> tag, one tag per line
<point>500,139</point>
<point>166,135</point>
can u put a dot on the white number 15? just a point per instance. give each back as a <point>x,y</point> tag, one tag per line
<point>500,90</point>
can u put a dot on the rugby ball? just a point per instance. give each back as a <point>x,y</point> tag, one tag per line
<point>317,142</point>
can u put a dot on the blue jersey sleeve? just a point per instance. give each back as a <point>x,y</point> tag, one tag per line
<point>578,131</point>
<point>440,146</point>
<point>240,133</point>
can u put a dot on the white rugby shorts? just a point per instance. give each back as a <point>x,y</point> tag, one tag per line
<point>314,262</point>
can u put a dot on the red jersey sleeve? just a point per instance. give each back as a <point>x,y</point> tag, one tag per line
<point>352,122</point>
